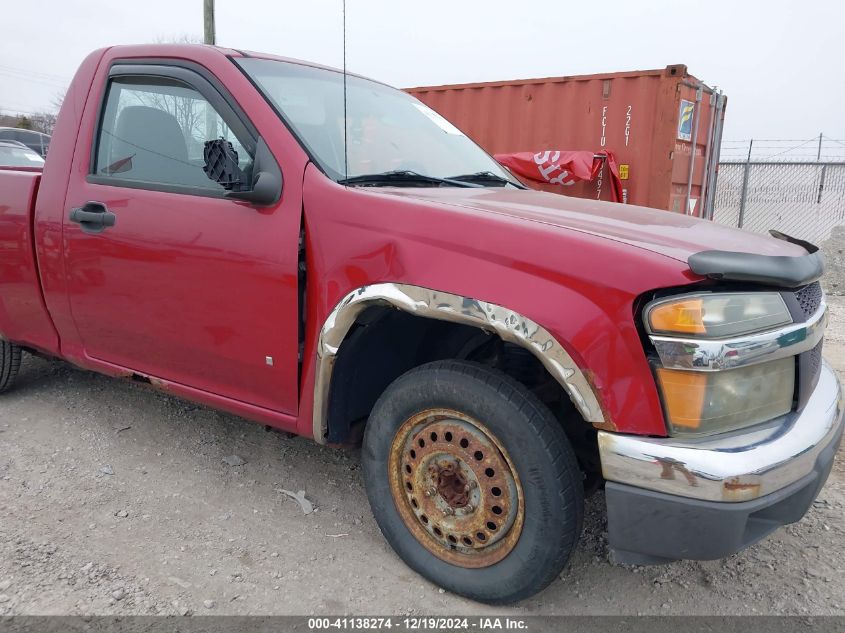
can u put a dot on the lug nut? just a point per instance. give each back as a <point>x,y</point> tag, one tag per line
<point>473,484</point>
<point>430,492</point>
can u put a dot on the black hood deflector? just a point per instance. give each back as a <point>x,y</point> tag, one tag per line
<point>781,271</point>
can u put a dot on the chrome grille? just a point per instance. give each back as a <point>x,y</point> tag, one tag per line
<point>809,298</point>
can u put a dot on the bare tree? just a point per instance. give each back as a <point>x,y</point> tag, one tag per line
<point>58,100</point>
<point>43,122</point>
<point>195,116</point>
<point>187,110</point>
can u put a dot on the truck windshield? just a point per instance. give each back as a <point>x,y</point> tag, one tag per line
<point>388,131</point>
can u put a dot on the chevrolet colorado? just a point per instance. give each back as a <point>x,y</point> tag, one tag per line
<point>329,257</point>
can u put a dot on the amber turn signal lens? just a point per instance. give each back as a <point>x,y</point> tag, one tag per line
<point>683,396</point>
<point>701,402</point>
<point>686,317</point>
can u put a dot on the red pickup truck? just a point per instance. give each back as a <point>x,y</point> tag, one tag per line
<point>328,256</point>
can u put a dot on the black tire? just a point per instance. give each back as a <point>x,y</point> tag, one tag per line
<point>538,449</point>
<point>10,362</point>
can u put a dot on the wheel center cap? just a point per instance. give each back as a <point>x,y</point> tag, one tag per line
<point>452,484</point>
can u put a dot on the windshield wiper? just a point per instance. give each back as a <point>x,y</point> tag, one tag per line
<point>402,177</point>
<point>482,177</point>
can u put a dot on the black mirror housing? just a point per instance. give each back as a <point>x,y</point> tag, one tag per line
<point>266,182</point>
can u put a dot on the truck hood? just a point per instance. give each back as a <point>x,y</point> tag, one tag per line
<point>671,234</point>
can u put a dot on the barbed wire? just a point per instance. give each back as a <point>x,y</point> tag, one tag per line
<point>774,140</point>
<point>823,148</point>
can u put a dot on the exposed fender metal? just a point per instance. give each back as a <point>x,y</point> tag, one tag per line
<point>434,304</point>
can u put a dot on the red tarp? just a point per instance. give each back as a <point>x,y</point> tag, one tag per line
<point>561,167</point>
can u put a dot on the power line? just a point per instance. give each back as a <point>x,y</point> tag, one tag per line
<point>7,111</point>
<point>17,105</point>
<point>36,73</point>
<point>44,82</point>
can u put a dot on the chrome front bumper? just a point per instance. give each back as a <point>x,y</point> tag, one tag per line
<point>733,467</point>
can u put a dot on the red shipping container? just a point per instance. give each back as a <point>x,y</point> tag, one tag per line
<point>649,119</point>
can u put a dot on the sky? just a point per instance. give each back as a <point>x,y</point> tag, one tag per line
<point>779,63</point>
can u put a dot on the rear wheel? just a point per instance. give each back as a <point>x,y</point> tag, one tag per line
<point>473,481</point>
<point>10,362</point>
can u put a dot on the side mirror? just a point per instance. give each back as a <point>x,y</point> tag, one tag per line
<point>266,190</point>
<point>266,179</point>
<point>221,165</point>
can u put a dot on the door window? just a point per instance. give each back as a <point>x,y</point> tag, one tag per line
<point>154,131</point>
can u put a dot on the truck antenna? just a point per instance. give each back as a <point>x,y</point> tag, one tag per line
<point>345,123</point>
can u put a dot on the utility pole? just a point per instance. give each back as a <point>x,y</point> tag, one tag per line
<point>208,38</point>
<point>208,21</point>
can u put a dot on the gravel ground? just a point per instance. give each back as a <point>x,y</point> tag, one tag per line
<point>117,499</point>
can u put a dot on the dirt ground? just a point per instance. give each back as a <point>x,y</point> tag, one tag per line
<point>116,499</point>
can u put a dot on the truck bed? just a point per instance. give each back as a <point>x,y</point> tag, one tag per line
<point>23,316</point>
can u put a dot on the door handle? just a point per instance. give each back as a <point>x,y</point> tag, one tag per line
<point>93,217</point>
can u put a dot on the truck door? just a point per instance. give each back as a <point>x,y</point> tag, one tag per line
<point>166,276</point>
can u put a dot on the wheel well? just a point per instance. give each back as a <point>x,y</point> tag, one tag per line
<point>385,342</point>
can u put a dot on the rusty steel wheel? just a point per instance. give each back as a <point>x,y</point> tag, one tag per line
<point>455,487</point>
<point>472,481</point>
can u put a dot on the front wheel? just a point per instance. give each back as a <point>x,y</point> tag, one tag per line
<point>10,362</point>
<point>473,481</point>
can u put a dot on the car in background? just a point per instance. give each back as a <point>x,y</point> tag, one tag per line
<point>16,154</point>
<point>36,141</point>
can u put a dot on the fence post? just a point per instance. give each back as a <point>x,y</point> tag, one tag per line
<point>744,194</point>
<point>821,184</point>
<point>819,154</point>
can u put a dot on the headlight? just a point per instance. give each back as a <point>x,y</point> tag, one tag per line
<point>700,399</point>
<point>717,315</point>
<point>709,402</point>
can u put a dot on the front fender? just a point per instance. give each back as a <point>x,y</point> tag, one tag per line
<point>573,291</point>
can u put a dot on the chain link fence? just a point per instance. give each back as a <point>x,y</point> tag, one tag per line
<point>805,200</point>
<point>797,187</point>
